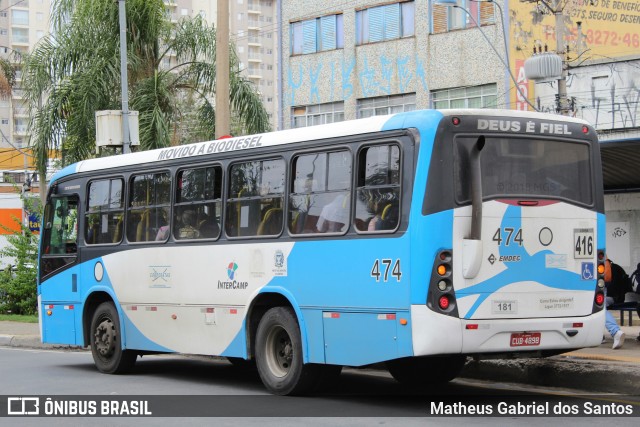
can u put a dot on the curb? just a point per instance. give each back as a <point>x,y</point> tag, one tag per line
<point>32,341</point>
<point>576,373</point>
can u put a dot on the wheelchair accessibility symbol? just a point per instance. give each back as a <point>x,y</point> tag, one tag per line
<point>588,272</point>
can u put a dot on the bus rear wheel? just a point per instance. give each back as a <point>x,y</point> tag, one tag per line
<point>106,342</point>
<point>279,355</point>
<point>426,370</point>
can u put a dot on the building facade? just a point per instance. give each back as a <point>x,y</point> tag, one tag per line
<point>344,61</point>
<point>253,29</point>
<point>22,24</point>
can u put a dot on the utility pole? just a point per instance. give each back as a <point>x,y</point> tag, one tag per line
<point>126,148</point>
<point>222,70</point>
<point>563,102</point>
<point>546,67</point>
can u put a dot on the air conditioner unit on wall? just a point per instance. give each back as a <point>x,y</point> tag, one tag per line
<point>109,128</point>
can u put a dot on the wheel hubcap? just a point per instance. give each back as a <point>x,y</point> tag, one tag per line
<point>279,352</point>
<point>105,338</point>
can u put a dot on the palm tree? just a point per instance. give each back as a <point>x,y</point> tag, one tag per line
<point>75,71</point>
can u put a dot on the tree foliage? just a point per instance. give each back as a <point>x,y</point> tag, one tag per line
<point>75,71</point>
<point>18,293</point>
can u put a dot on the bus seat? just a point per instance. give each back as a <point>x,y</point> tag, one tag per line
<point>271,223</point>
<point>389,217</point>
<point>117,232</point>
<point>142,231</point>
<point>209,228</point>
<point>299,219</point>
<point>92,233</point>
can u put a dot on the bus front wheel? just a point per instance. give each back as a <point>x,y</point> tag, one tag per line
<point>279,354</point>
<point>426,370</point>
<point>106,342</point>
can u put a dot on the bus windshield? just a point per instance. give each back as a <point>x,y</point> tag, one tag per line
<point>526,167</point>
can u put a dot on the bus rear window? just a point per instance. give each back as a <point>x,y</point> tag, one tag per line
<point>526,167</point>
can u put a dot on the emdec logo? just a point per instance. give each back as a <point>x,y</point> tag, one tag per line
<point>23,406</point>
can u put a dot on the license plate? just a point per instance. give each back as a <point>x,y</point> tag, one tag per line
<point>525,339</point>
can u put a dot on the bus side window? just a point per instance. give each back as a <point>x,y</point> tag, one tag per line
<point>256,195</point>
<point>198,203</point>
<point>320,197</point>
<point>378,191</point>
<point>148,207</point>
<point>104,212</point>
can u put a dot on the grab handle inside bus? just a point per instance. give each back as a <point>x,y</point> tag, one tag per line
<point>472,246</point>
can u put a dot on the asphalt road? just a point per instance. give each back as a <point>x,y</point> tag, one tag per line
<point>211,387</point>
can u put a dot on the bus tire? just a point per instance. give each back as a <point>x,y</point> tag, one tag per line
<point>426,370</point>
<point>106,342</point>
<point>279,355</point>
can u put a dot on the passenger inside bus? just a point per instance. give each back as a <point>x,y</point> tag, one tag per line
<point>188,228</point>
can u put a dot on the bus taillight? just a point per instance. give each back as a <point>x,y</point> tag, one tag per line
<point>600,298</point>
<point>443,302</point>
<point>441,295</point>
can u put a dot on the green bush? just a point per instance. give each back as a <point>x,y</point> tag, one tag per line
<point>18,289</point>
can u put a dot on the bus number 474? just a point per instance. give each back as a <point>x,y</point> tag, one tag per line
<point>385,263</point>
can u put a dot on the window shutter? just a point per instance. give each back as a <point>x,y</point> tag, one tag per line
<point>327,32</point>
<point>487,13</point>
<point>391,21</point>
<point>309,36</point>
<point>439,18</point>
<point>375,24</point>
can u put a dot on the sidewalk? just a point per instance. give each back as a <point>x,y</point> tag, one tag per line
<point>597,369</point>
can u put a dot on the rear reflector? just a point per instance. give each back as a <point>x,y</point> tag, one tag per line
<point>472,326</point>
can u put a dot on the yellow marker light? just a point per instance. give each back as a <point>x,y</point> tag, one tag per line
<point>600,268</point>
<point>403,322</point>
<point>49,312</point>
<point>442,270</point>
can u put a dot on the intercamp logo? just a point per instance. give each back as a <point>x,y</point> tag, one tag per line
<point>23,406</point>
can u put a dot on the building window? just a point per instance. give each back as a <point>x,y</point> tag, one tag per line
<point>19,17</point>
<point>485,96</point>
<point>3,31</point>
<point>318,114</point>
<point>452,18</point>
<point>20,35</point>
<point>5,121</point>
<point>316,35</point>
<point>381,105</point>
<point>388,22</point>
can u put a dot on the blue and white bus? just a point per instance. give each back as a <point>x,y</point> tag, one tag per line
<point>415,239</point>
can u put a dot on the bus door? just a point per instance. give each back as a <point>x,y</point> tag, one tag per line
<point>57,279</point>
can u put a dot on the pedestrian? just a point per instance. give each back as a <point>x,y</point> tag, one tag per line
<point>610,323</point>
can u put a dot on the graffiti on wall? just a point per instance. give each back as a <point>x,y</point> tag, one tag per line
<point>372,76</point>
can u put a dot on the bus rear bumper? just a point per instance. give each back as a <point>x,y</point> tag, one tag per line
<point>438,334</point>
